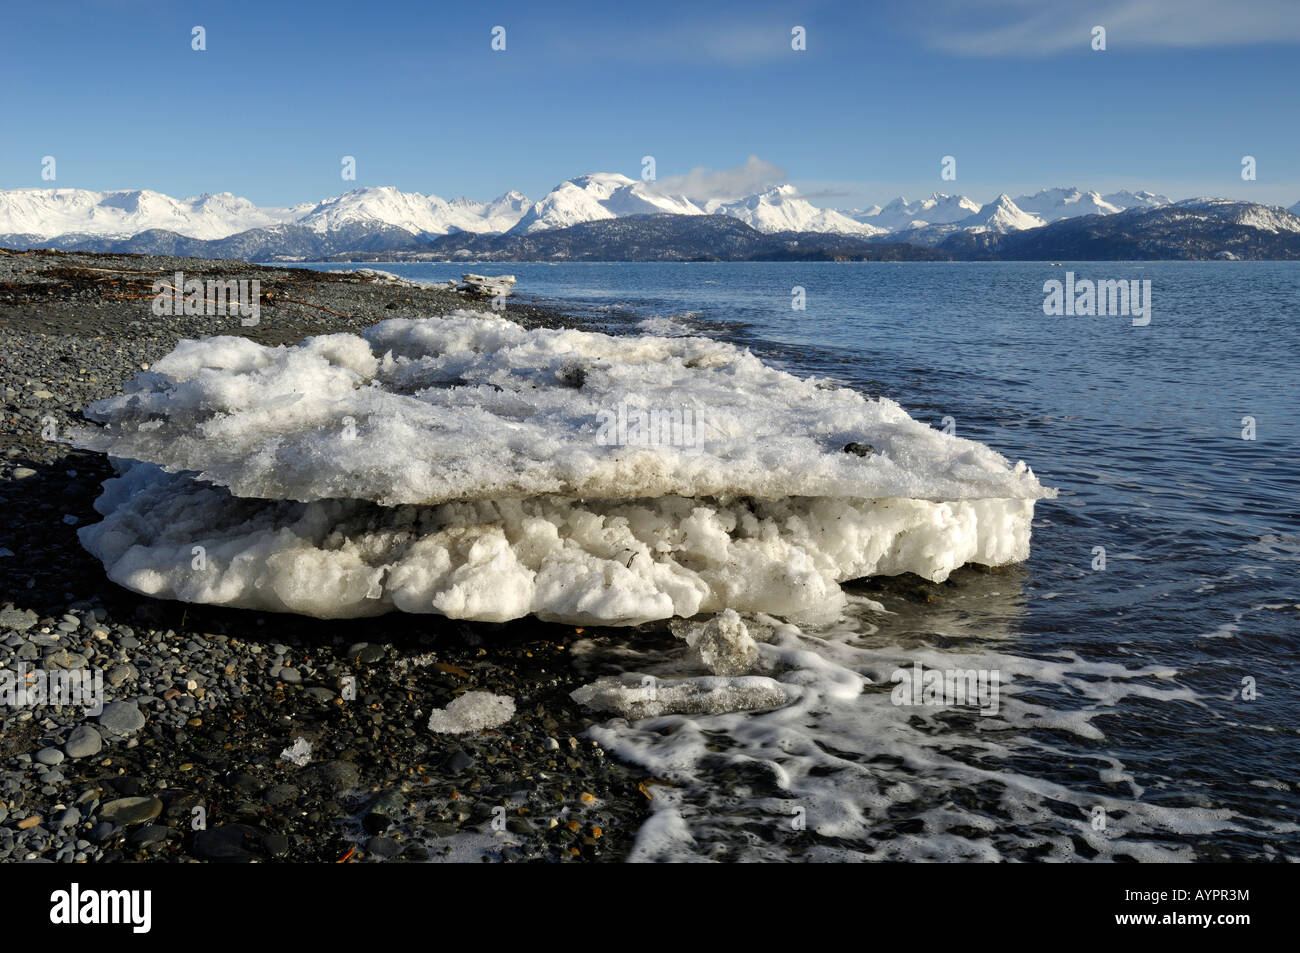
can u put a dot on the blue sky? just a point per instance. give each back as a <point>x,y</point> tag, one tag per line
<point>1010,88</point>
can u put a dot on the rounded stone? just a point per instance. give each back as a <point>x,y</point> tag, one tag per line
<point>84,742</point>
<point>122,718</point>
<point>131,810</point>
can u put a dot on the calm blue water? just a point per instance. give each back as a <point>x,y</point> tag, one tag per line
<point>1141,430</point>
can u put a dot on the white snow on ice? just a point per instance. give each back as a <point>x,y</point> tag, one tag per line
<point>474,407</point>
<point>610,562</point>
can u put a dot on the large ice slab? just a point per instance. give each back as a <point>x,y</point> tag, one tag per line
<point>475,407</point>
<point>469,467</point>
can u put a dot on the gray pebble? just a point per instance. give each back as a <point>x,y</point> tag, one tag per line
<point>84,742</point>
<point>122,718</point>
<point>19,619</point>
<point>120,673</point>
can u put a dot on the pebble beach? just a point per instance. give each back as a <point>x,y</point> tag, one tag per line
<point>233,735</point>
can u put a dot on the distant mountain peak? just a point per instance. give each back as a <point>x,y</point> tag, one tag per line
<point>1054,204</point>
<point>1001,215</point>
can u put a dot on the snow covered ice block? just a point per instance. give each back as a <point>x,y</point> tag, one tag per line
<point>457,466</point>
<point>474,407</point>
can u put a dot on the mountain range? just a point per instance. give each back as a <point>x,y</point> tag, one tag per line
<point>371,221</point>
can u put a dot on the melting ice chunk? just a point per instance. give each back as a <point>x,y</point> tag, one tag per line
<point>723,645</point>
<point>564,560</point>
<point>298,753</point>
<point>469,467</point>
<point>653,698</point>
<point>472,711</point>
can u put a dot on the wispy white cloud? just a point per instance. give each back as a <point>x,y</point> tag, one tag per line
<point>701,184</point>
<point>1031,28</point>
<point>726,41</point>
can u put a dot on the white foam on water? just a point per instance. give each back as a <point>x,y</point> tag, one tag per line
<point>674,325</point>
<point>842,772</point>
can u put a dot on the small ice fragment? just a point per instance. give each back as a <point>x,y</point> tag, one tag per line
<point>723,645</point>
<point>299,753</point>
<point>487,286</point>
<point>472,711</point>
<point>710,695</point>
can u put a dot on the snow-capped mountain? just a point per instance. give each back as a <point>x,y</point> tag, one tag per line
<point>780,209</point>
<point>939,209</point>
<point>601,195</point>
<point>1295,209</point>
<point>46,213</point>
<point>1142,199</point>
<point>1001,215</point>
<point>499,215</point>
<point>591,198</point>
<point>410,211</point>
<point>1052,205</point>
<point>1265,218</point>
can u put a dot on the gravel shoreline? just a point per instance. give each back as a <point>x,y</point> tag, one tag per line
<point>185,761</point>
